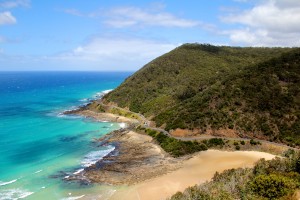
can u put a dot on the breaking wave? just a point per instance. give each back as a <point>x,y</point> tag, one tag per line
<point>14,194</point>
<point>94,156</point>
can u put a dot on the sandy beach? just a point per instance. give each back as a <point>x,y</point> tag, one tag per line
<point>143,171</point>
<point>196,170</point>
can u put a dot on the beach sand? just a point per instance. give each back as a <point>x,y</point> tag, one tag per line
<point>196,170</point>
<point>170,175</point>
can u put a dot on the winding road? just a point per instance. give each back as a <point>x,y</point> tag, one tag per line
<point>145,123</point>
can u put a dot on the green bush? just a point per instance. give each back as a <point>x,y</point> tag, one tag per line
<point>215,142</point>
<point>242,142</point>
<point>253,142</point>
<point>271,186</point>
<point>174,146</point>
<point>289,153</point>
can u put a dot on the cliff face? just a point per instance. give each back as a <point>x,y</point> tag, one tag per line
<point>251,91</point>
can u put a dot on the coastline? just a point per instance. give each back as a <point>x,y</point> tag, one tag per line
<point>196,170</point>
<point>101,116</point>
<point>136,158</point>
<point>139,168</point>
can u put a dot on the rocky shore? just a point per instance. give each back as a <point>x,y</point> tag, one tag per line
<point>101,116</point>
<point>135,159</point>
<point>136,156</point>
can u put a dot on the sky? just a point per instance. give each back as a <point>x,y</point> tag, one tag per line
<point>120,35</point>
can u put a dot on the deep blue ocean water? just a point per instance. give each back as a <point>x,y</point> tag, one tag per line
<point>39,145</point>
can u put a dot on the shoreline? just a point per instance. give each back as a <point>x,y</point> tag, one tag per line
<point>139,168</point>
<point>196,170</point>
<point>136,158</point>
<point>82,111</point>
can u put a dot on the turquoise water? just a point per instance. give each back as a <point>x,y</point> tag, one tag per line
<point>39,146</point>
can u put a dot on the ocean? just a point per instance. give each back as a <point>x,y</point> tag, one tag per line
<point>39,146</point>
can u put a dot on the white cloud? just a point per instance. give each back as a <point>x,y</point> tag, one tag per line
<point>14,4</point>
<point>73,11</point>
<point>133,16</point>
<point>7,18</point>
<point>268,23</point>
<point>126,49</point>
<point>122,17</point>
<point>99,53</point>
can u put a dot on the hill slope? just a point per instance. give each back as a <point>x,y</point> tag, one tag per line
<point>252,91</point>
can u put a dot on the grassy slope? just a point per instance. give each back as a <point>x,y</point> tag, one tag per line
<point>250,90</point>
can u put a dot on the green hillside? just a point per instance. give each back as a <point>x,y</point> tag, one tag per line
<point>253,91</point>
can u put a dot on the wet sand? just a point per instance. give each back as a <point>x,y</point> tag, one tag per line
<point>196,170</point>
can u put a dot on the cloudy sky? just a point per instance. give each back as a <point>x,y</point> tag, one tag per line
<point>119,35</point>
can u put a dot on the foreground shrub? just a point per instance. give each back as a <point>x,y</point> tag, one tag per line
<point>272,179</point>
<point>272,186</point>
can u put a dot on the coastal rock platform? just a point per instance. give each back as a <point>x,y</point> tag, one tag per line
<point>135,159</point>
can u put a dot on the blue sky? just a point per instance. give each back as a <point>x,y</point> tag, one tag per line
<point>123,35</point>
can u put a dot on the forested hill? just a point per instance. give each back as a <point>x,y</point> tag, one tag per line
<point>252,91</point>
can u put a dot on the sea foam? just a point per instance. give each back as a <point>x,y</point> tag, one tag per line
<point>122,125</point>
<point>78,171</point>
<point>14,194</point>
<point>38,171</point>
<point>94,156</point>
<point>73,198</point>
<point>8,182</point>
<point>86,101</point>
<point>102,93</point>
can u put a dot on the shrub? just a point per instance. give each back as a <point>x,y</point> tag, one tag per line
<point>195,193</point>
<point>298,165</point>
<point>176,147</point>
<point>100,108</point>
<point>289,153</point>
<point>177,196</point>
<point>215,142</point>
<point>253,142</point>
<point>237,147</point>
<point>272,186</point>
<point>242,142</point>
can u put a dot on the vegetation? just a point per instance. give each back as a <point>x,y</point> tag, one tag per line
<point>124,113</point>
<point>177,147</point>
<point>253,91</point>
<point>214,142</point>
<point>272,186</point>
<point>253,142</point>
<point>274,179</point>
<point>99,107</point>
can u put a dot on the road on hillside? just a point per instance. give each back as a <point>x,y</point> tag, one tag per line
<point>146,124</point>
